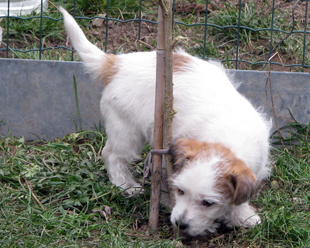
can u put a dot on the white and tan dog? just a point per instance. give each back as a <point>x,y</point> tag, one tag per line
<point>221,145</point>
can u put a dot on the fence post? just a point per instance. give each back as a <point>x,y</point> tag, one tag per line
<point>163,105</point>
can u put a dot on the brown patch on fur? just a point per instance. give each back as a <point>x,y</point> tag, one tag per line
<point>109,68</point>
<point>243,180</point>
<point>183,150</point>
<point>180,62</point>
<point>236,180</point>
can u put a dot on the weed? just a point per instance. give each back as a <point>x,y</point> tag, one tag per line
<point>250,21</point>
<point>125,9</point>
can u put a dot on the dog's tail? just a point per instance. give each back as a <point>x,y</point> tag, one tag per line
<point>92,56</point>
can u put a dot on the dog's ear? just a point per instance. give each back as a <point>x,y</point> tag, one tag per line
<point>242,182</point>
<point>182,151</point>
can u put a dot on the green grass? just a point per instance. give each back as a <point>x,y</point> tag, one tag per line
<point>285,206</point>
<point>250,17</point>
<point>126,8</point>
<point>57,194</point>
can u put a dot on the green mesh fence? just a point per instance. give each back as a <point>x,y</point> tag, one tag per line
<point>249,34</point>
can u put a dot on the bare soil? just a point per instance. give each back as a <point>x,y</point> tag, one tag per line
<point>123,37</point>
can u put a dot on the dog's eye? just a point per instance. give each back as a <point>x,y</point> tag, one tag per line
<point>181,192</point>
<point>207,203</point>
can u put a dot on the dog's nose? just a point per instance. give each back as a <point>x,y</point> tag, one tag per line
<point>181,225</point>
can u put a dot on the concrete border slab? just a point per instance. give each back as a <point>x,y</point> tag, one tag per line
<point>37,98</point>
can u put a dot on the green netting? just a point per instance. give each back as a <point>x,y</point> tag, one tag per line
<point>277,29</point>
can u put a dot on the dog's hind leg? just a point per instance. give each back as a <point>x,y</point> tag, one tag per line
<point>118,170</point>
<point>122,148</point>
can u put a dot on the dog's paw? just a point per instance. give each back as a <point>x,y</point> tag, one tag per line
<point>243,215</point>
<point>252,221</point>
<point>131,190</point>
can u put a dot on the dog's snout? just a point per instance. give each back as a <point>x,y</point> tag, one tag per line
<point>181,225</point>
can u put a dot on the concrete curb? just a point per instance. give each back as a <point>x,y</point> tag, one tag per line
<point>37,98</point>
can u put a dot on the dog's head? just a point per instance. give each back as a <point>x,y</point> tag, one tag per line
<point>208,179</point>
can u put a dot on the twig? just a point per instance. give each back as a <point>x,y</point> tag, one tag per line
<point>47,165</point>
<point>94,152</point>
<point>163,7</point>
<point>273,109</point>
<point>121,13</point>
<point>177,40</point>
<point>52,48</point>
<point>148,28</point>
<point>104,214</point>
<point>294,120</point>
<point>288,35</point>
<point>1,32</point>
<point>33,195</point>
<point>133,235</point>
<point>148,45</point>
<point>50,2</point>
<point>217,238</point>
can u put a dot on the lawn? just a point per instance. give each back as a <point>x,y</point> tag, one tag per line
<point>57,194</point>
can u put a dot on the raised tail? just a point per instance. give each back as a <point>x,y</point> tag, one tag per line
<point>92,56</point>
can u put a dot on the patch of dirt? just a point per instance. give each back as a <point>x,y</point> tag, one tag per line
<point>123,37</point>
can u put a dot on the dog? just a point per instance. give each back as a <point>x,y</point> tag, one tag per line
<point>220,141</point>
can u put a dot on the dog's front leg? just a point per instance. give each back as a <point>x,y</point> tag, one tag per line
<point>243,215</point>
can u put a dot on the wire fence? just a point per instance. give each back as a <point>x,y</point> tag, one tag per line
<point>244,34</point>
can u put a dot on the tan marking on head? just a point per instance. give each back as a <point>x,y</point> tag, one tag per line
<point>183,150</point>
<point>180,62</point>
<point>186,149</point>
<point>108,69</point>
<point>236,180</point>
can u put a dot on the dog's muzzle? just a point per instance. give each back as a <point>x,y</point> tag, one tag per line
<point>181,225</point>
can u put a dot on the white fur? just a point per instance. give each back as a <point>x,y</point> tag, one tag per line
<point>198,183</point>
<point>209,109</point>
